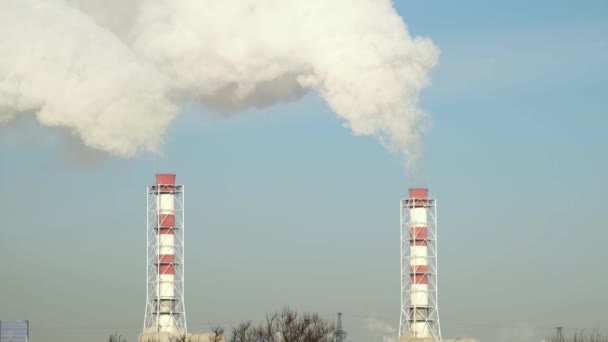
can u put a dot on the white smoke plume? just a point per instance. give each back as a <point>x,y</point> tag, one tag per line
<point>381,331</point>
<point>115,71</point>
<point>58,63</point>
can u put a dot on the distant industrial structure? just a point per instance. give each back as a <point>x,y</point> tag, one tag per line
<point>165,314</point>
<point>419,305</point>
<point>165,307</point>
<point>419,311</point>
<point>14,331</point>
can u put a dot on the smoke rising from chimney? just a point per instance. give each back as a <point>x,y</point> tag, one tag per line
<point>116,74</point>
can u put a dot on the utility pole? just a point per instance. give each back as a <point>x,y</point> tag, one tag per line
<point>559,334</point>
<point>340,333</point>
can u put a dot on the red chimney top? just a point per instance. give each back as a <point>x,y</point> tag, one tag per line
<point>419,193</point>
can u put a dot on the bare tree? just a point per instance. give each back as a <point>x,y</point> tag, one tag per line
<point>217,334</point>
<point>578,336</point>
<point>182,338</point>
<point>243,332</point>
<point>116,337</point>
<point>287,326</point>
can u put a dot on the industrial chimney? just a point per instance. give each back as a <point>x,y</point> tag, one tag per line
<point>165,309</point>
<point>419,313</point>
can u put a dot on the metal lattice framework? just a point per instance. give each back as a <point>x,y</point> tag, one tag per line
<point>340,333</point>
<point>419,306</point>
<point>165,313</point>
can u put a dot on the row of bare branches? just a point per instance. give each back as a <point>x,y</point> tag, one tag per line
<point>284,326</point>
<point>116,337</point>
<point>287,326</point>
<point>579,336</point>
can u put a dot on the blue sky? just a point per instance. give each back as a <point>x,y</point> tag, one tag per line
<point>286,207</point>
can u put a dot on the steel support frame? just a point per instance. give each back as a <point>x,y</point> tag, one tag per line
<point>151,319</point>
<point>408,311</point>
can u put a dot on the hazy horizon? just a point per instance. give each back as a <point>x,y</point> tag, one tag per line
<point>287,207</point>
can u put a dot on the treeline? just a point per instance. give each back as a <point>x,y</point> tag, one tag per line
<point>284,326</point>
<point>579,336</point>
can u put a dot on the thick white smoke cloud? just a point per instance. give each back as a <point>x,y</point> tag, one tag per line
<point>111,72</point>
<point>59,64</point>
